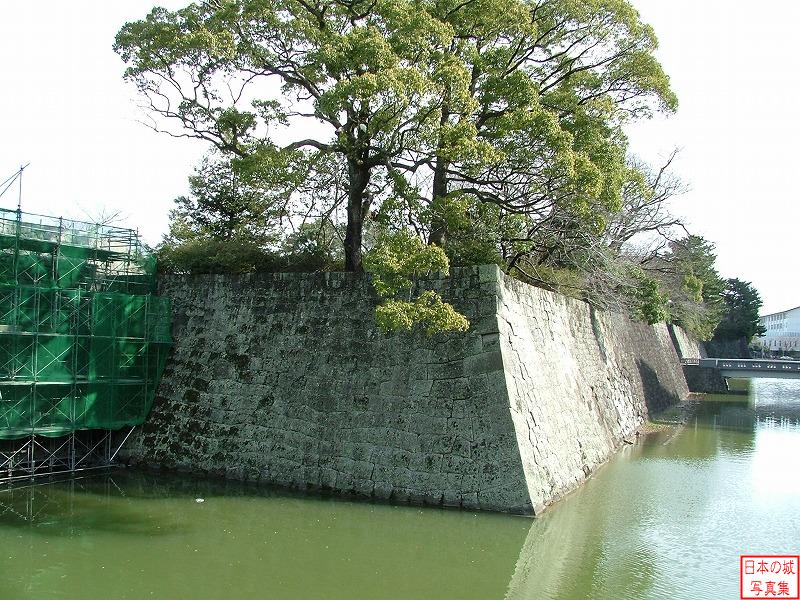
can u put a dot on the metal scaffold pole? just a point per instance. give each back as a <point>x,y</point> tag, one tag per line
<point>83,342</point>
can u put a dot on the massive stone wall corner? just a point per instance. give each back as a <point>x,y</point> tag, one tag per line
<point>284,379</point>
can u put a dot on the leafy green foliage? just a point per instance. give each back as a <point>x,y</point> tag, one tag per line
<point>494,128</point>
<point>428,310</point>
<point>395,263</point>
<point>400,257</point>
<point>543,136</point>
<point>314,246</point>
<point>362,76</point>
<point>425,107</point>
<point>227,203</point>
<point>206,254</point>
<point>212,255</point>
<point>691,280</point>
<point>652,305</point>
<point>742,304</point>
<point>231,222</point>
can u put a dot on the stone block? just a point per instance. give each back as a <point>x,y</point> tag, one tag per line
<point>382,490</point>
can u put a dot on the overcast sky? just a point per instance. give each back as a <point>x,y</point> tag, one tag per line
<point>65,109</point>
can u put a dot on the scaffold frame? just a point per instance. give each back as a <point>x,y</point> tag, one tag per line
<point>83,341</point>
<point>37,456</point>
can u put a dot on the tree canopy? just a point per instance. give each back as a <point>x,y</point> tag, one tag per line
<point>742,302</point>
<point>690,279</point>
<point>407,103</point>
<point>491,129</point>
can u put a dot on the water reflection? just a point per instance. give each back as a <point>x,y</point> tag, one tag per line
<point>667,518</point>
<point>77,507</point>
<point>256,542</point>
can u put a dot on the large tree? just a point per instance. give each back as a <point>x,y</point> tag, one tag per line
<point>644,225</point>
<point>740,321</point>
<point>353,76</point>
<point>549,84</point>
<point>418,113</point>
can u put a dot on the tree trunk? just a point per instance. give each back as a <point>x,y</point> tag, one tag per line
<point>438,233</point>
<point>357,207</point>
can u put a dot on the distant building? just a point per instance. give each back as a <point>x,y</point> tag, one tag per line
<point>783,331</point>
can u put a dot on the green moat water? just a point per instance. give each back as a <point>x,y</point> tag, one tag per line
<point>666,518</point>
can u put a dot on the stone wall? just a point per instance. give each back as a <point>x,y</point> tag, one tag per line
<point>283,378</point>
<point>685,344</point>
<point>705,380</point>
<point>579,382</point>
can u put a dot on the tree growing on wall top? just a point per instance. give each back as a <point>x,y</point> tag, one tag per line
<point>549,84</point>
<point>490,128</point>
<point>357,78</point>
<point>517,104</point>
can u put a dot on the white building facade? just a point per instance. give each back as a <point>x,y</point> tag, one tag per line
<point>783,331</point>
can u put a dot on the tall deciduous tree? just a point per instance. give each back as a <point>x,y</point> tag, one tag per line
<point>354,76</point>
<point>434,107</point>
<point>549,84</point>
<point>644,225</point>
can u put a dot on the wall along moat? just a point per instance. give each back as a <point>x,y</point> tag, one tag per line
<point>665,518</point>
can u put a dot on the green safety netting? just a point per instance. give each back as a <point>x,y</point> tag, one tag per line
<point>83,339</point>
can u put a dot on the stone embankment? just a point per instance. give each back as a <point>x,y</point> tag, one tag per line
<point>284,379</point>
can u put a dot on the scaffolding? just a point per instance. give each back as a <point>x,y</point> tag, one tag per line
<point>83,337</point>
<point>79,451</point>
